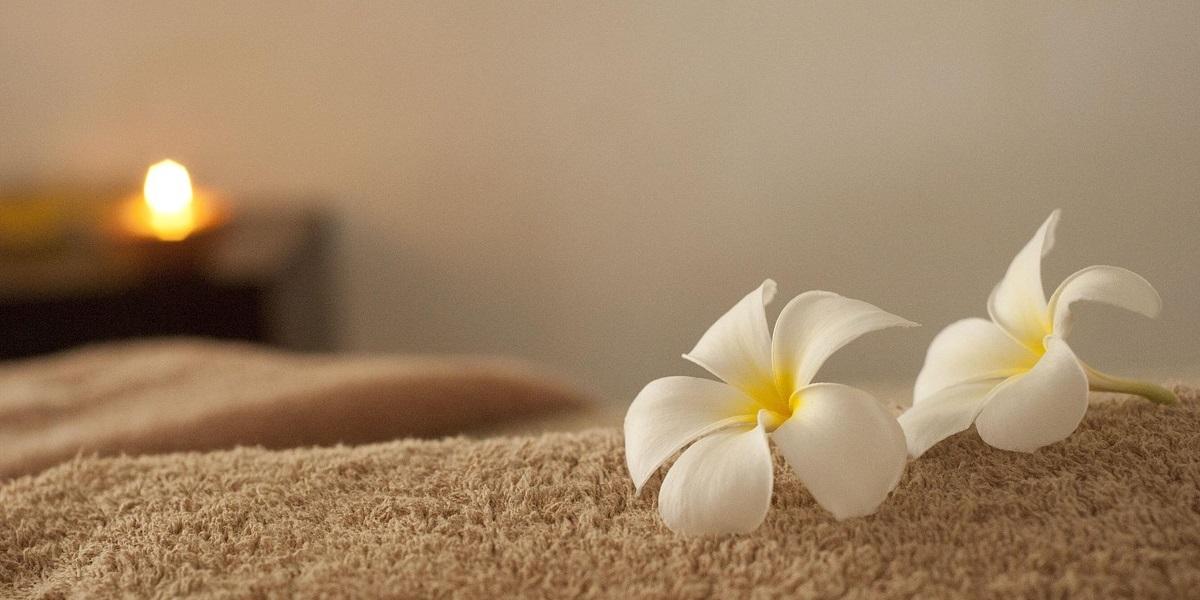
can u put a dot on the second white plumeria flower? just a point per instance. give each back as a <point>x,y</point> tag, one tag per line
<point>842,443</point>
<point>1014,376</point>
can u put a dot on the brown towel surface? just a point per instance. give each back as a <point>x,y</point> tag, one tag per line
<point>1114,511</point>
<point>171,395</point>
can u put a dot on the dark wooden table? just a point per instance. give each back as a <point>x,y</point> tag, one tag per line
<point>262,277</point>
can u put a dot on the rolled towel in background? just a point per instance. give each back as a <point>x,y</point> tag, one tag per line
<point>161,396</point>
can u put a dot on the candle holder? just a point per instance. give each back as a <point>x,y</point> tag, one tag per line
<point>158,257</point>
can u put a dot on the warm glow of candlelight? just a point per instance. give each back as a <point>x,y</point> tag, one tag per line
<point>169,209</point>
<point>168,197</point>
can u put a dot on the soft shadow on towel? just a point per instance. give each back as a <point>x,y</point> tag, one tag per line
<point>170,395</point>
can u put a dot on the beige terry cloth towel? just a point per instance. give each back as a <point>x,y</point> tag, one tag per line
<point>1112,512</point>
<point>171,395</point>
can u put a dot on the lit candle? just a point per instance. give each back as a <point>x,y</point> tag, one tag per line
<point>169,201</point>
<point>169,209</point>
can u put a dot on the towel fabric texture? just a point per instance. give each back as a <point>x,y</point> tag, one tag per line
<point>1112,512</point>
<point>173,395</point>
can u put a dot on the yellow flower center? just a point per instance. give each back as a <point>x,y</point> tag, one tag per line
<point>778,405</point>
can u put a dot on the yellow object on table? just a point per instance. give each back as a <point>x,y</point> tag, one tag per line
<point>33,223</point>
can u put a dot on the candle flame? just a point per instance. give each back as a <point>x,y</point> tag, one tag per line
<point>168,197</point>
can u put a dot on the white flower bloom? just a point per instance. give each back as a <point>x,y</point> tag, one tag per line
<point>843,444</point>
<point>1014,376</point>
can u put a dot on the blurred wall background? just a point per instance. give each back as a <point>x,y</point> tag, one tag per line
<point>591,185</point>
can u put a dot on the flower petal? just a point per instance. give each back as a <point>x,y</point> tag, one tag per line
<point>1101,283</point>
<point>720,484</point>
<point>1018,303</point>
<point>970,350</point>
<point>845,446</point>
<point>671,412</point>
<point>944,414</point>
<point>816,324</point>
<point>737,348</point>
<point>1037,408</point>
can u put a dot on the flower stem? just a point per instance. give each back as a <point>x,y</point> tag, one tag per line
<point>1102,382</point>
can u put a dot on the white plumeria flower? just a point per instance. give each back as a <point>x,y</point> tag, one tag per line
<point>843,444</point>
<point>1014,376</point>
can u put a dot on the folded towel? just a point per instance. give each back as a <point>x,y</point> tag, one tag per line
<point>170,395</point>
<point>1114,511</point>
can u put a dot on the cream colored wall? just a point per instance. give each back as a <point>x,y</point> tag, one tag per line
<point>591,184</point>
